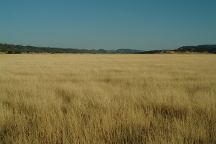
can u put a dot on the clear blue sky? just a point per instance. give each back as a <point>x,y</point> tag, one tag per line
<point>108,24</point>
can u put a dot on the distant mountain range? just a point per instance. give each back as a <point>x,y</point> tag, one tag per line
<point>186,49</point>
<point>17,49</point>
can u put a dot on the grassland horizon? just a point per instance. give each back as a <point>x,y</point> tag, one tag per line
<point>110,99</point>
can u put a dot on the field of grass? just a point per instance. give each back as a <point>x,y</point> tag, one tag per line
<point>107,99</point>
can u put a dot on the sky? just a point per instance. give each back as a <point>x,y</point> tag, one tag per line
<point>108,24</point>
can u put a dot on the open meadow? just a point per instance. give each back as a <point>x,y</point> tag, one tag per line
<point>107,99</point>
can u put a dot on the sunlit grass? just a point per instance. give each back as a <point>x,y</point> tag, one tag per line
<point>107,99</point>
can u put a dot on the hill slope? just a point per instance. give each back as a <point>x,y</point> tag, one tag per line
<point>199,48</point>
<point>16,49</point>
<point>186,49</point>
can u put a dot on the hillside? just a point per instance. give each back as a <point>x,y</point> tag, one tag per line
<point>186,49</point>
<point>199,48</point>
<point>17,49</point>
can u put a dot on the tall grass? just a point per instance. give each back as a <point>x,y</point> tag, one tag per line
<point>110,99</point>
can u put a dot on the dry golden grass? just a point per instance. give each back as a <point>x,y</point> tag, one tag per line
<point>96,99</point>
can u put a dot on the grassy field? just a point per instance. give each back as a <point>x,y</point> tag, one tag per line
<point>107,99</point>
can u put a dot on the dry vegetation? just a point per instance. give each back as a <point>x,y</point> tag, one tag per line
<point>87,99</point>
